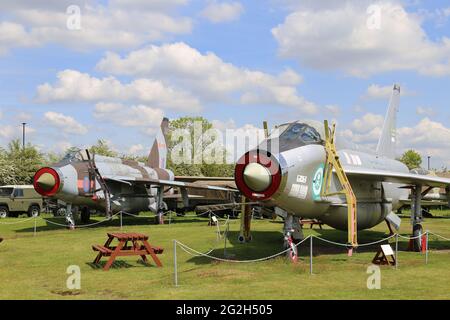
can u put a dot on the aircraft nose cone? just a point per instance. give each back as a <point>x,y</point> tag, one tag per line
<point>257,177</point>
<point>46,181</point>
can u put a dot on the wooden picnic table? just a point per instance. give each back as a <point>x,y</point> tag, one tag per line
<point>139,246</point>
<point>312,223</point>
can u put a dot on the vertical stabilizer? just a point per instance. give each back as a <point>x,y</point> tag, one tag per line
<point>158,154</point>
<point>388,140</point>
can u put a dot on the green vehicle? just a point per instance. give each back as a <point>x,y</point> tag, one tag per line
<point>15,200</point>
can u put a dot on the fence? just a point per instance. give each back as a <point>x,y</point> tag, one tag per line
<point>224,235</point>
<point>192,252</point>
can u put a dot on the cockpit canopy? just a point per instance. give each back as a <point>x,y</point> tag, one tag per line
<point>294,135</point>
<point>74,155</point>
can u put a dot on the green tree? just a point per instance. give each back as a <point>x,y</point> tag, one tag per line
<point>198,142</point>
<point>7,170</point>
<point>103,149</point>
<point>21,163</point>
<point>412,159</point>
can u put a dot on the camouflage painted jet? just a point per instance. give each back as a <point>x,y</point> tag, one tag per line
<point>290,178</point>
<point>112,184</point>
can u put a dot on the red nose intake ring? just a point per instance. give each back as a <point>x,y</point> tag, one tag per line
<point>46,182</point>
<point>258,175</point>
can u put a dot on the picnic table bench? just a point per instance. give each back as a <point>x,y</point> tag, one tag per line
<point>312,223</point>
<point>130,244</point>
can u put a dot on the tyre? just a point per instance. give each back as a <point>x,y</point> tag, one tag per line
<point>159,218</point>
<point>417,234</point>
<point>85,215</point>
<point>4,212</point>
<point>34,211</point>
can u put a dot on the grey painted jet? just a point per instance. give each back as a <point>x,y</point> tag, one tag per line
<point>112,185</point>
<point>287,172</point>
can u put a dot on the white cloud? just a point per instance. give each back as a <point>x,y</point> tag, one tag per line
<point>74,86</point>
<point>119,24</point>
<point>333,110</point>
<point>426,134</point>
<point>134,116</point>
<point>61,146</point>
<point>428,137</point>
<point>367,123</point>
<point>209,77</point>
<point>66,123</point>
<point>338,38</point>
<point>217,12</point>
<point>136,149</point>
<point>425,111</point>
<point>9,132</point>
<point>375,91</point>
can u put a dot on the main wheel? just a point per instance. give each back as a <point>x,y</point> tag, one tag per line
<point>85,215</point>
<point>417,234</point>
<point>159,218</point>
<point>34,211</point>
<point>4,212</point>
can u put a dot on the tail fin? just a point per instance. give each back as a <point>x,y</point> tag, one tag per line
<point>388,140</point>
<point>158,154</point>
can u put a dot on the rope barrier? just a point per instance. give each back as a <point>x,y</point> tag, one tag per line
<point>190,250</point>
<point>81,226</point>
<point>186,249</point>
<point>359,245</point>
<point>17,222</point>
<point>227,221</point>
<point>222,236</point>
<point>439,236</point>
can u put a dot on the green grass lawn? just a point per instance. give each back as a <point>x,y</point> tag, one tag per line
<point>34,266</point>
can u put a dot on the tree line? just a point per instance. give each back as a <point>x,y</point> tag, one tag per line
<point>18,163</point>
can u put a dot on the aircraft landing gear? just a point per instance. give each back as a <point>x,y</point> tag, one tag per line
<point>292,254</point>
<point>417,235</point>
<point>69,217</point>
<point>417,218</point>
<point>85,215</point>
<point>293,234</point>
<point>159,218</point>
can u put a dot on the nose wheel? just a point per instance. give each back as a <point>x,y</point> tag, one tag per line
<point>417,235</point>
<point>289,243</point>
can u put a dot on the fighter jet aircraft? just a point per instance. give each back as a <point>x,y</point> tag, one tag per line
<point>288,171</point>
<point>112,184</point>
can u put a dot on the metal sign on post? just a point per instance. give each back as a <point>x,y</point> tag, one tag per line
<point>311,255</point>
<point>175,263</point>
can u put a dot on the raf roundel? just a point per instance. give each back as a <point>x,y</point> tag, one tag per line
<point>317,182</point>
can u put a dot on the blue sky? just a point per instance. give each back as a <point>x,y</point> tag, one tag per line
<point>235,62</point>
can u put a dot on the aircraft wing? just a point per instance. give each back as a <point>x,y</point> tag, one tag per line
<point>426,203</point>
<point>167,183</point>
<point>193,179</point>
<point>400,178</point>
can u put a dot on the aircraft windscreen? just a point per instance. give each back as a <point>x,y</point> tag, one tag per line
<point>294,136</point>
<point>278,131</point>
<point>73,156</point>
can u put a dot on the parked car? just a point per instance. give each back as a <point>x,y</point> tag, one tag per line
<point>15,200</point>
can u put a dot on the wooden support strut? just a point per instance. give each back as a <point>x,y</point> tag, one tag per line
<point>333,162</point>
